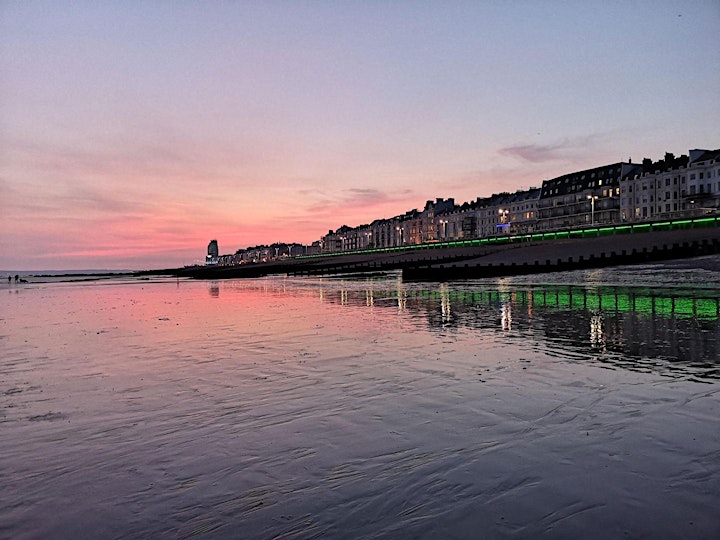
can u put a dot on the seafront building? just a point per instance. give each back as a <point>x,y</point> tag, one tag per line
<point>584,198</point>
<point>617,193</point>
<point>212,256</point>
<point>622,192</point>
<point>671,188</point>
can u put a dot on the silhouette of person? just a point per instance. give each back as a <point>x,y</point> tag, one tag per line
<point>16,278</point>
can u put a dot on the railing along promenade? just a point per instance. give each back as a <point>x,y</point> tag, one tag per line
<point>548,251</point>
<point>555,234</point>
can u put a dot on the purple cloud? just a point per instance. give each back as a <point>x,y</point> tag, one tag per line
<point>535,153</point>
<point>539,153</point>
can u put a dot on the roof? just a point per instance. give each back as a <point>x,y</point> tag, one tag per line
<point>597,178</point>
<point>706,155</point>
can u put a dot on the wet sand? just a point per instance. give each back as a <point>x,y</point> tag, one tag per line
<point>298,408</point>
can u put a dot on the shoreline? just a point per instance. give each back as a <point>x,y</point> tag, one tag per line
<point>446,262</point>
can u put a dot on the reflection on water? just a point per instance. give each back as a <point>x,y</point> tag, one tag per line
<point>667,329</point>
<point>574,406</point>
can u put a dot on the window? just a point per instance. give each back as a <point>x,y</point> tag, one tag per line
<point>667,181</point>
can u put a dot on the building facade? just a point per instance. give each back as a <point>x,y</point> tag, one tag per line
<point>212,256</point>
<point>672,188</point>
<point>584,198</point>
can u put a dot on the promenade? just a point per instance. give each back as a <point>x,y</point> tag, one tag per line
<point>520,255</point>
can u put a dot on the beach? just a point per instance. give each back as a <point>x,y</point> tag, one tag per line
<point>577,404</point>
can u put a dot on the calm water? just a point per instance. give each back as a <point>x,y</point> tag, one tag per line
<point>572,405</point>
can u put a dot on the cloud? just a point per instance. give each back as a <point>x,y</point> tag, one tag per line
<point>359,199</point>
<point>536,153</point>
<point>565,150</point>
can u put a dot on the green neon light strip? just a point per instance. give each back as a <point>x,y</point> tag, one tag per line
<point>574,233</point>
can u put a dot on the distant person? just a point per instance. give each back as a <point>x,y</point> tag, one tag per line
<point>9,279</point>
<point>16,278</point>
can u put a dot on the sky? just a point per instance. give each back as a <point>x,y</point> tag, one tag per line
<point>133,133</point>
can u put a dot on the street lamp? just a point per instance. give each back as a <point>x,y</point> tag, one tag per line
<point>592,198</point>
<point>400,231</point>
<point>444,223</point>
<point>503,212</point>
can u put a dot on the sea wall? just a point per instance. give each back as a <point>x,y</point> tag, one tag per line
<point>461,262</point>
<point>571,254</point>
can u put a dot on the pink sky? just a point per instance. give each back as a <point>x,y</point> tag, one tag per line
<point>131,135</point>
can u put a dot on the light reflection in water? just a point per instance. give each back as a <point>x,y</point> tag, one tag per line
<point>596,331</point>
<point>401,296</point>
<point>506,315</point>
<point>445,302</point>
<point>623,324</point>
<point>369,297</point>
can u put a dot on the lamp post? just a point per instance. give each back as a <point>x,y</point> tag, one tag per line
<point>592,198</point>
<point>503,215</point>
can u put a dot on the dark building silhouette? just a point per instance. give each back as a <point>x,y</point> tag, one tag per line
<point>212,253</point>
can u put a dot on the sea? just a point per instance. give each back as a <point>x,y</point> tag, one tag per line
<point>580,404</point>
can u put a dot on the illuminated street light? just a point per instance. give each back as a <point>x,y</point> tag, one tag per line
<point>444,223</point>
<point>503,212</point>
<point>592,198</point>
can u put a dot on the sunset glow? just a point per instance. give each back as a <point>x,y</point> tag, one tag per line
<point>132,134</point>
